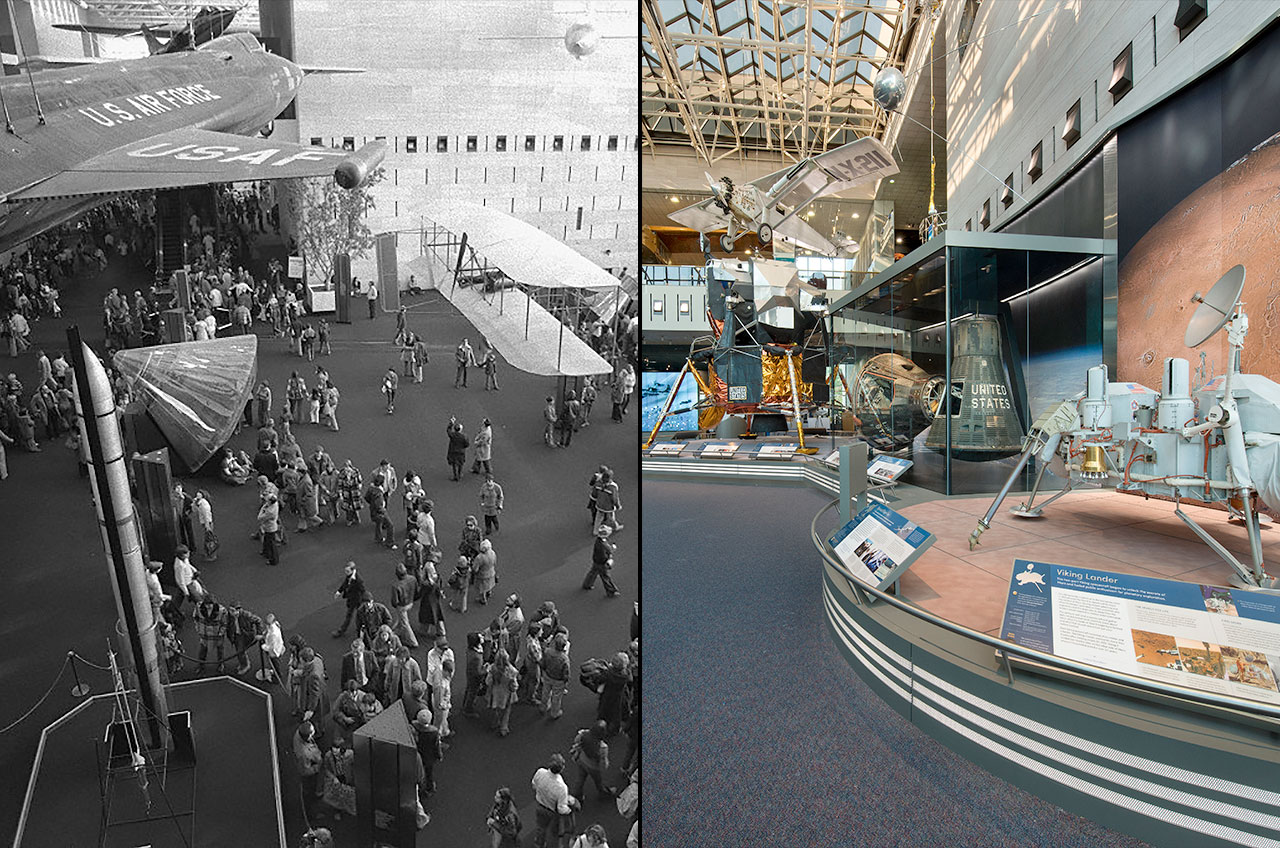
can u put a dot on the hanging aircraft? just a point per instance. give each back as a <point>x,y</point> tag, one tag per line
<point>772,203</point>
<point>209,23</point>
<point>75,137</point>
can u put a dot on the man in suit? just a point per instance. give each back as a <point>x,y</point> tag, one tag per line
<point>359,664</point>
<point>352,589</point>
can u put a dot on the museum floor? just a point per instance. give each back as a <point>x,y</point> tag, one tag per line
<point>1096,528</point>
<point>758,732</point>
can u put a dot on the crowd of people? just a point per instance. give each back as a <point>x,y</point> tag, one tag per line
<point>403,649</point>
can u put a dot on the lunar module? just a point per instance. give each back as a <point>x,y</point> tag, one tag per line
<point>1217,444</point>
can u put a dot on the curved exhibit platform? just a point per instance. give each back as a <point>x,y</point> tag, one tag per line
<point>1169,764</point>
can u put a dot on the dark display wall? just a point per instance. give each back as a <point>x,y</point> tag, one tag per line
<point>1198,192</point>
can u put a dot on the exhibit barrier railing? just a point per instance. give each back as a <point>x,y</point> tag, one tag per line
<point>1254,710</point>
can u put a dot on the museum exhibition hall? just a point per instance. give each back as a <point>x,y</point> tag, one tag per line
<point>961,421</point>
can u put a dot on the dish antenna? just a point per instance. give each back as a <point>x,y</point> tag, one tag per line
<point>1216,308</point>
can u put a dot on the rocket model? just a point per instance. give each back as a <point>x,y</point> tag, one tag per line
<point>100,433</point>
<point>979,403</point>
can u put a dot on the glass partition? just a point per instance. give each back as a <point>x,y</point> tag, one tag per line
<point>947,357</point>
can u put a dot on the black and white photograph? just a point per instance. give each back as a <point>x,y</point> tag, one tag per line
<point>319,508</point>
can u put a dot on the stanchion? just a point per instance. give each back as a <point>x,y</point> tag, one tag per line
<point>262,673</point>
<point>80,689</point>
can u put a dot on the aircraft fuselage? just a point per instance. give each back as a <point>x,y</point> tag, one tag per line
<point>230,85</point>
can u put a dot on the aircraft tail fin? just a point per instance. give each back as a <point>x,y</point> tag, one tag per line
<point>154,45</point>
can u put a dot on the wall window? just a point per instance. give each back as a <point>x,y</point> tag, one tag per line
<point>579,225</point>
<point>348,142</point>
<point>1006,193</point>
<point>985,218</point>
<point>1036,166</point>
<point>1189,15</point>
<point>585,143</point>
<point>411,144</point>
<point>1071,130</point>
<point>1121,74</point>
<point>500,144</point>
<point>557,143</point>
<point>473,143</point>
<point>530,143</point>
<point>442,144</point>
<point>613,142</point>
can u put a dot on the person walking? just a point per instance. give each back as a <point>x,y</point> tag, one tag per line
<point>459,584</point>
<point>464,357</point>
<point>371,295</point>
<point>602,563</point>
<point>399,672</point>
<point>569,418</point>
<point>618,396</point>
<point>352,591</point>
<point>552,802</point>
<point>407,342</point>
<point>308,502</point>
<point>376,497</point>
<point>371,617</point>
<point>350,482</point>
<point>484,570</point>
<point>504,682</point>
<point>184,577</point>
<point>550,419</point>
<point>490,365</point>
<point>326,348</point>
<point>331,398</point>
<point>590,753</point>
<point>211,626</point>
<point>628,376</point>
<point>360,666</point>
<point>390,382</point>
<point>202,526</point>
<point>442,697</point>
<point>483,443</point>
<point>420,357</point>
<point>430,608</point>
<point>589,395</point>
<point>490,503</point>
<point>309,760</point>
<point>593,484</point>
<point>402,327</point>
<point>268,527</point>
<point>403,592</point>
<point>503,821</point>
<point>244,630</point>
<point>296,393</point>
<point>608,501</point>
<point>555,676</point>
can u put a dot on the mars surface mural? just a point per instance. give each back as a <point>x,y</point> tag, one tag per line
<point>1233,218</point>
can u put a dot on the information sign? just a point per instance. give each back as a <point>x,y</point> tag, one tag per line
<point>666,449</point>
<point>777,451</point>
<point>887,469</point>
<point>295,268</point>
<point>1203,637</point>
<point>878,545</point>
<point>720,449</point>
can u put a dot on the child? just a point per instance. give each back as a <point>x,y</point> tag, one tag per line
<point>313,414</point>
<point>458,584</point>
<point>443,697</point>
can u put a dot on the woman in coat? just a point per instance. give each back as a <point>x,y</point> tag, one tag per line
<point>308,503</point>
<point>503,680</point>
<point>484,567</point>
<point>483,443</point>
<point>430,608</point>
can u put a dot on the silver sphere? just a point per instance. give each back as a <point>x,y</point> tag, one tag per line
<point>581,39</point>
<point>889,89</point>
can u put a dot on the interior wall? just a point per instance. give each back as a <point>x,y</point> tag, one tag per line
<point>1199,192</point>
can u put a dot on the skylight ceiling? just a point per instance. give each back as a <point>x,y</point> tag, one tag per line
<point>791,78</point>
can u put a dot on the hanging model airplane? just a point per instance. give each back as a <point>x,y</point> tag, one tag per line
<point>175,119</point>
<point>772,203</point>
<point>209,23</point>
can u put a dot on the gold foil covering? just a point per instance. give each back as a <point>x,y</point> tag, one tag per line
<point>775,389</point>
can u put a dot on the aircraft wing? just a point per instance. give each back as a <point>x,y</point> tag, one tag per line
<point>832,172</point>
<point>703,217</point>
<point>795,229</point>
<point>190,156</point>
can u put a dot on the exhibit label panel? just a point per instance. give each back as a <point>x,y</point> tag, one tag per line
<point>887,468</point>
<point>1202,637</point>
<point>877,545</point>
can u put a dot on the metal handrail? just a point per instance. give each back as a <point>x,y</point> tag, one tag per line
<point>1052,660</point>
